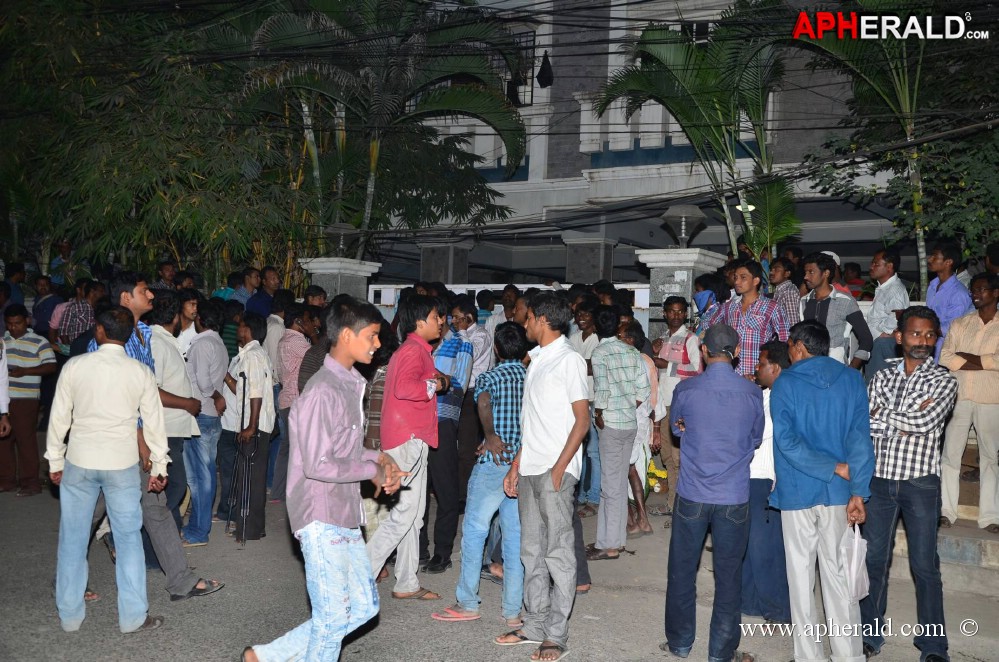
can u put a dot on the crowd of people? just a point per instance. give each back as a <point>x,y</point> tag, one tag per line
<point>782,413</point>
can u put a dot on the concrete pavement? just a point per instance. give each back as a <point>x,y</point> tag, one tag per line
<point>265,595</point>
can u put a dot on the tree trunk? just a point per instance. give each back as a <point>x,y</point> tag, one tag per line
<point>916,181</point>
<point>310,142</point>
<point>369,199</point>
<point>729,224</point>
<point>340,130</point>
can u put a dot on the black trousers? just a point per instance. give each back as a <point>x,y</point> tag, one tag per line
<point>442,471</point>
<point>251,486</point>
<point>469,438</point>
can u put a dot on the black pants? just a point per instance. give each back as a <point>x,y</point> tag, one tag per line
<point>469,438</point>
<point>442,470</point>
<point>582,566</point>
<point>251,486</point>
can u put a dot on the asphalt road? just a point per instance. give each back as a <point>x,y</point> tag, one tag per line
<point>265,595</point>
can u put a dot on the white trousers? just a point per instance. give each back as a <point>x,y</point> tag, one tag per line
<point>401,529</point>
<point>810,534</point>
<point>985,418</point>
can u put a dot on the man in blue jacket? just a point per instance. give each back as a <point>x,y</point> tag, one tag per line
<point>824,461</point>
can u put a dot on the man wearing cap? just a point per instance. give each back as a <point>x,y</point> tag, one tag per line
<point>838,312</point>
<point>712,493</point>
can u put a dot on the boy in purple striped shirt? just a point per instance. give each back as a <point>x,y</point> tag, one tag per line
<point>326,463</point>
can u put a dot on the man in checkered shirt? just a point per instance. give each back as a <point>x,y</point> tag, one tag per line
<point>910,402</point>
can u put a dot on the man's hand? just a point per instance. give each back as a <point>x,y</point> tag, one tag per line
<point>157,483</point>
<point>492,444</point>
<point>443,382</point>
<point>843,470</point>
<point>558,473</point>
<point>219,403</point>
<point>17,371</point>
<point>598,419</point>
<point>245,436</point>
<point>511,480</point>
<point>657,440</point>
<point>389,473</point>
<point>751,377</point>
<point>4,426</point>
<point>856,363</point>
<point>192,406</point>
<point>681,425</point>
<point>55,477</point>
<point>657,345</point>
<point>856,513</point>
<point>925,404</point>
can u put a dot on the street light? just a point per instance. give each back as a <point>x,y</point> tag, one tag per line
<point>676,218</point>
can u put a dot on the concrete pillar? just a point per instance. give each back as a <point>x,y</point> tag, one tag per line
<point>588,257</point>
<point>340,275</point>
<point>447,263</point>
<point>673,271</point>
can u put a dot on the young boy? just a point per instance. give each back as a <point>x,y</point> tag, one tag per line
<point>326,462</point>
<point>409,431</point>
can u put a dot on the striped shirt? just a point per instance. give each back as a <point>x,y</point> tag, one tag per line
<point>505,386</point>
<point>907,436</point>
<point>619,381</point>
<point>137,346</point>
<point>373,397</point>
<point>28,351</point>
<point>971,335</point>
<point>454,358</point>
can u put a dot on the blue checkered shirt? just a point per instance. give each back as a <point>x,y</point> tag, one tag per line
<point>505,386</point>
<point>453,357</point>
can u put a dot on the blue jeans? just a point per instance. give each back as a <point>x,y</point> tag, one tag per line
<point>199,458</point>
<point>591,460</point>
<point>342,592</point>
<point>918,502</point>
<point>485,498</point>
<point>78,493</point>
<point>764,570</point>
<point>272,452</point>
<point>729,527</point>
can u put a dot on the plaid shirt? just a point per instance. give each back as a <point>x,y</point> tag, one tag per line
<point>907,437</point>
<point>619,381</point>
<point>789,298</point>
<point>505,386</point>
<point>763,321</point>
<point>77,318</point>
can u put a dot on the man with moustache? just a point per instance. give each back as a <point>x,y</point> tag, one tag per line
<point>909,406</point>
<point>837,311</point>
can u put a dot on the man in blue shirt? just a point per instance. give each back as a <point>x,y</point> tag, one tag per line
<point>946,295</point>
<point>718,417</point>
<point>824,460</point>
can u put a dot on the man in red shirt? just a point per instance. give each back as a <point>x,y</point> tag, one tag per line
<point>408,431</point>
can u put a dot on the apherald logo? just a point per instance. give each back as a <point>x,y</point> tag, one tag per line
<point>872,26</point>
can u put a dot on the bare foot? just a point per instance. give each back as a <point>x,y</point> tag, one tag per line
<point>548,652</point>
<point>249,655</point>
<point>496,570</point>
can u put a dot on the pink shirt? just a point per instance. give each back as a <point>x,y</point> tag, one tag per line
<point>326,457</point>
<point>409,408</point>
<point>291,350</point>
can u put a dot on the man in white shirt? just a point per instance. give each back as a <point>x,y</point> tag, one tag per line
<point>584,340</point>
<point>171,378</point>
<point>186,329</point>
<point>889,296</point>
<point>247,424</point>
<point>275,331</point>
<point>555,418</point>
<point>764,573</point>
<point>99,397</point>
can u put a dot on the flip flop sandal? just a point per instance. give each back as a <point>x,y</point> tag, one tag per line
<point>583,591</point>
<point>601,555</point>
<point>211,585</point>
<point>418,595</point>
<point>562,652</point>
<point>587,511</point>
<point>660,511</point>
<point>452,615</point>
<point>521,639</point>
<point>90,596</point>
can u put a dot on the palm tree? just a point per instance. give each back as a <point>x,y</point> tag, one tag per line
<point>886,79</point>
<point>714,90</point>
<point>387,65</point>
